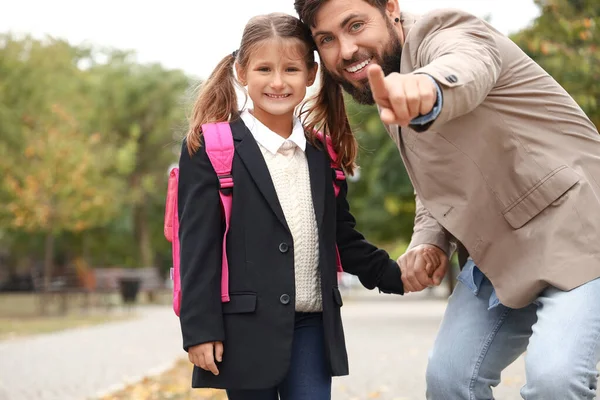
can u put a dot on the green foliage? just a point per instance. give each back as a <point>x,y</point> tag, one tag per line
<point>565,41</point>
<point>382,198</point>
<point>85,148</point>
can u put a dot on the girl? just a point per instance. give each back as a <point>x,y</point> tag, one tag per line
<point>281,332</point>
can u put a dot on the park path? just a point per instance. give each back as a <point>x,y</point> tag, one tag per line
<point>80,364</point>
<point>388,339</point>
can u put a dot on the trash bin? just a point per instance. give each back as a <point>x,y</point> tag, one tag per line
<point>129,289</point>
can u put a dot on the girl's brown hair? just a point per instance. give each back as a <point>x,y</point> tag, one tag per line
<point>217,99</point>
<point>326,113</point>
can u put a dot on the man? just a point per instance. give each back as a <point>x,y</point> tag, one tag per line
<point>503,162</point>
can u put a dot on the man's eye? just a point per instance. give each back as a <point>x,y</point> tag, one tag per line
<point>356,26</point>
<point>326,39</point>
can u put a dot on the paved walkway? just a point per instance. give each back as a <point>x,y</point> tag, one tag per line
<point>80,363</point>
<point>388,341</point>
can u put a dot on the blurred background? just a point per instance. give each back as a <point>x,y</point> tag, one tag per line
<point>93,99</point>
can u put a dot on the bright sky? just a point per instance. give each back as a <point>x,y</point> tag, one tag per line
<point>195,34</point>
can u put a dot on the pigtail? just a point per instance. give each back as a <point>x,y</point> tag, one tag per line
<point>328,115</point>
<point>216,101</point>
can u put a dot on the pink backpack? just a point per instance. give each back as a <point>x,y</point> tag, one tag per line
<point>218,142</point>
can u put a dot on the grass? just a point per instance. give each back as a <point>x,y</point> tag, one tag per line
<point>28,304</point>
<point>174,384</point>
<point>20,312</point>
<point>12,327</point>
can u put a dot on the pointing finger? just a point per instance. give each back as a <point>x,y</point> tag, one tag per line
<point>377,83</point>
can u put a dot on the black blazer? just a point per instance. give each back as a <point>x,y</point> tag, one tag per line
<point>257,325</point>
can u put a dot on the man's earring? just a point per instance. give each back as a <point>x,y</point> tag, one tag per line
<point>396,20</point>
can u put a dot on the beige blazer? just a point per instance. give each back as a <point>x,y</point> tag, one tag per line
<point>510,168</point>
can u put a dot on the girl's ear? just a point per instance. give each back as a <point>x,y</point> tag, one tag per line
<point>312,74</point>
<point>241,73</point>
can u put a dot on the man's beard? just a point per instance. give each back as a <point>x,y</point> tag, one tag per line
<point>389,62</point>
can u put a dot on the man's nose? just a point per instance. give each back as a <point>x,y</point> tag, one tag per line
<point>348,48</point>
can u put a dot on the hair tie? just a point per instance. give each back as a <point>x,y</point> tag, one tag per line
<point>234,54</point>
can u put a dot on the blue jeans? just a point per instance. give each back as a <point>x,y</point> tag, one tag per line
<point>309,377</point>
<point>560,332</point>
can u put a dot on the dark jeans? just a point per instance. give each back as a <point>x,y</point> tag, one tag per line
<point>309,377</point>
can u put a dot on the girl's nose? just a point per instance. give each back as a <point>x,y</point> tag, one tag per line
<point>277,82</point>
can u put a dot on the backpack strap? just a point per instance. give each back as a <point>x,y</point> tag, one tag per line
<point>338,175</point>
<point>171,230</point>
<point>218,141</point>
<point>171,221</point>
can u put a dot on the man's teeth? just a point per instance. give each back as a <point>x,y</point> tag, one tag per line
<point>358,67</point>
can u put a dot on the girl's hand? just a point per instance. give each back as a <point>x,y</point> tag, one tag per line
<point>204,355</point>
<point>422,266</point>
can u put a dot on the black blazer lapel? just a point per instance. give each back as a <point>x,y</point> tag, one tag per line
<point>318,168</point>
<point>249,152</point>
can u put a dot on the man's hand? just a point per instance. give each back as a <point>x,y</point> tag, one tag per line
<point>401,97</point>
<point>204,355</point>
<point>422,266</point>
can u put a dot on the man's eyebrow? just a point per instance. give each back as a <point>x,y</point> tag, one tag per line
<point>344,22</point>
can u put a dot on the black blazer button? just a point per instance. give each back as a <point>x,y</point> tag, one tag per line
<point>283,247</point>
<point>284,299</point>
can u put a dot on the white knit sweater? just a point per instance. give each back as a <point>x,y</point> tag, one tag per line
<point>289,172</point>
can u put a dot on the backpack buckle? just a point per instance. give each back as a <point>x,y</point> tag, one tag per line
<point>338,174</point>
<point>225,183</point>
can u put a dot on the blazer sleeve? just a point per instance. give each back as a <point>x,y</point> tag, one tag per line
<point>459,51</point>
<point>428,231</point>
<point>372,265</point>
<point>201,238</point>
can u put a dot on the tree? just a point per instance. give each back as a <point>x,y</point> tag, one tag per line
<point>58,183</point>
<point>45,136</point>
<point>137,112</point>
<point>143,109</point>
<point>565,41</point>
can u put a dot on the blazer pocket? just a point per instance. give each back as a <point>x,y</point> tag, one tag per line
<point>337,297</point>
<point>540,196</point>
<point>240,303</point>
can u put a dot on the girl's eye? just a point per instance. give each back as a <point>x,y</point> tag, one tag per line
<point>263,69</point>
<point>356,26</point>
<point>293,69</point>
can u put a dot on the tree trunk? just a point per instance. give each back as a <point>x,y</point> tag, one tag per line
<point>48,260</point>
<point>48,270</point>
<point>142,233</point>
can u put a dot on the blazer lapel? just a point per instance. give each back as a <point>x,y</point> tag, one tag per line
<point>249,152</point>
<point>317,169</point>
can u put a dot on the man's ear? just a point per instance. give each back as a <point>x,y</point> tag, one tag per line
<point>241,74</point>
<point>312,74</point>
<point>392,9</point>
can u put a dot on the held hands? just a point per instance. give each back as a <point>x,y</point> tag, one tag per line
<point>204,355</point>
<point>422,266</point>
<point>401,97</point>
